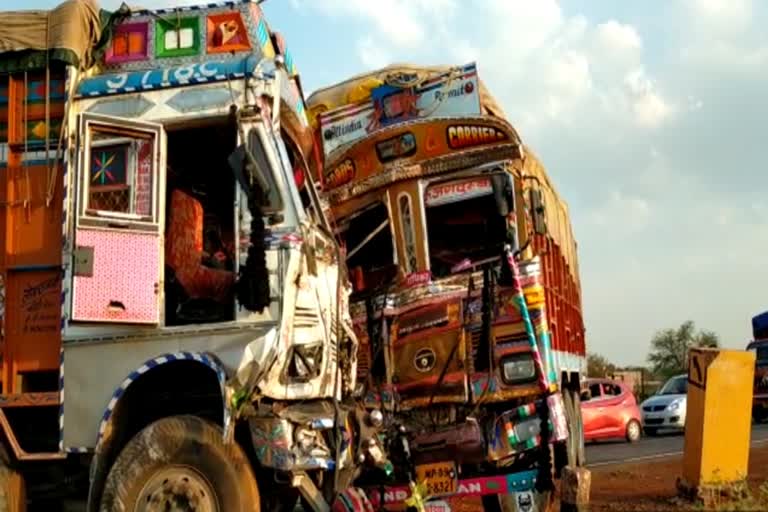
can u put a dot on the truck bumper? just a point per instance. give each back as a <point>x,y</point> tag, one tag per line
<point>468,489</point>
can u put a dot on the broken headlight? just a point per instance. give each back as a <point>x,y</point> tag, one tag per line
<point>305,362</point>
<point>518,368</point>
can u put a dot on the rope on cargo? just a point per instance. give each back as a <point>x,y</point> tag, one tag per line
<point>47,102</point>
<point>27,192</point>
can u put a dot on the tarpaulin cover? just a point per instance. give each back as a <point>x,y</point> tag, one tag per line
<point>68,33</point>
<point>348,91</point>
<point>356,88</point>
<point>556,212</point>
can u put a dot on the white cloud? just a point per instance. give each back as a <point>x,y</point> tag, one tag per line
<point>399,22</point>
<point>720,17</point>
<point>622,212</point>
<point>618,37</point>
<point>648,106</point>
<point>650,130</point>
<point>372,55</point>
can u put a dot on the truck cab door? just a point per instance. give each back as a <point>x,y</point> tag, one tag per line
<point>120,209</point>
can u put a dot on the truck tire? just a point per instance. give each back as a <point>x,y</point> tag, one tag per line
<point>13,497</point>
<point>575,441</point>
<point>181,463</point>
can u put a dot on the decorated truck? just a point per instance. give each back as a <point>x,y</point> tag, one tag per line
<point>175,323</point>
<point>466,295</point>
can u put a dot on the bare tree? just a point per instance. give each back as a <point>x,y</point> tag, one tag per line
<point>599,366</point>
<point>669,348</point>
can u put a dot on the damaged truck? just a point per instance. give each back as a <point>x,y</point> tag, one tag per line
<point>174,310</point>
<point>466,295</point>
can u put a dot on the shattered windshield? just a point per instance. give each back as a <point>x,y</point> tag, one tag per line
<point>367,237</point>
<point>464,227</point>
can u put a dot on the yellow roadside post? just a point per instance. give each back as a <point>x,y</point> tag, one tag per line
<point>718,422</point>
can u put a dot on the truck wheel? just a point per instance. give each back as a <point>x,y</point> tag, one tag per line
<point>181,463</point>
<point>575,441</point>
<point>13,497</point>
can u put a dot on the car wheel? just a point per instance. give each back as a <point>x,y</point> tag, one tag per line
<point>651,431</point>
<point>181,461</point>
<point>634,431</point>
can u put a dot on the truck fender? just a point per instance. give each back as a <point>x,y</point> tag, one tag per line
<point>100,464</point>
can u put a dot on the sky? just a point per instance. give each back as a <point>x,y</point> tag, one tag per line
<point>647,114</point>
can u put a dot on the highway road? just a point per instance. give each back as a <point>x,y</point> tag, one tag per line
<point>648,448</point>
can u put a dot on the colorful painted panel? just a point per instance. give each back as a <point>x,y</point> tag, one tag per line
<point>109,166</point>
<point>129,43</point>
<point>37,130</point>
<point>123,285</point>
<point>262,32</point>
<point>108,189</point>
<point>132,81</point>
<point>177,37</point>
<point>282,49</point>
<point>451,94</point>
<point>226,33</point>
<point>432,140</point>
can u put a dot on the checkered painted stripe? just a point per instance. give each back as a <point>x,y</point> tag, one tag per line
<point>64,256</point>
<point>206,359</point>
<point>188,8</point>
<point>263,33</point>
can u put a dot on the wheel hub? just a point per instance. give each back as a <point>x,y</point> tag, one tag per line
<point>177,489</point>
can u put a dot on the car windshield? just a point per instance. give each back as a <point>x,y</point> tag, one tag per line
<point>675,386</point>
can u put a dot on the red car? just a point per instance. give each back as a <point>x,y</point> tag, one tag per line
<point>609,410</point>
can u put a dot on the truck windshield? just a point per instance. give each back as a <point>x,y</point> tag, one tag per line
<point>463,225</point>
<point>367,238</point>
<point>675,386</point>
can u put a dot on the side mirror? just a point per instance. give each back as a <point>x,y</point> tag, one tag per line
<point>503,193</point>
<point>246,171</point>
<point>538,212</point>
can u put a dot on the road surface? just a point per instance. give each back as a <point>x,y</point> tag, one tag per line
<point>648,448</point>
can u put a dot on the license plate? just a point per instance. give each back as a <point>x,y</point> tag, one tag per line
<point>440,478</point>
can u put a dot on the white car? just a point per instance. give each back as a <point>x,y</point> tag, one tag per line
<point>666,409</point>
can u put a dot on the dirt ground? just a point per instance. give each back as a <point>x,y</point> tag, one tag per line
<point>650,486</point>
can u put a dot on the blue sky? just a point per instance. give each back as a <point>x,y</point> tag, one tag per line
<point>649,116</point>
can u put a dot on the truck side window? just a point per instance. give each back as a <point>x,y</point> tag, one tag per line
<point>120,175</point>
<point>257,148</point>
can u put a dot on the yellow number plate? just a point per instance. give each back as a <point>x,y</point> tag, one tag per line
<point>440,478</point>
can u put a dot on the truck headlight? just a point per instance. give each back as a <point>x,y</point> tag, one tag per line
<point>518,368</point>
